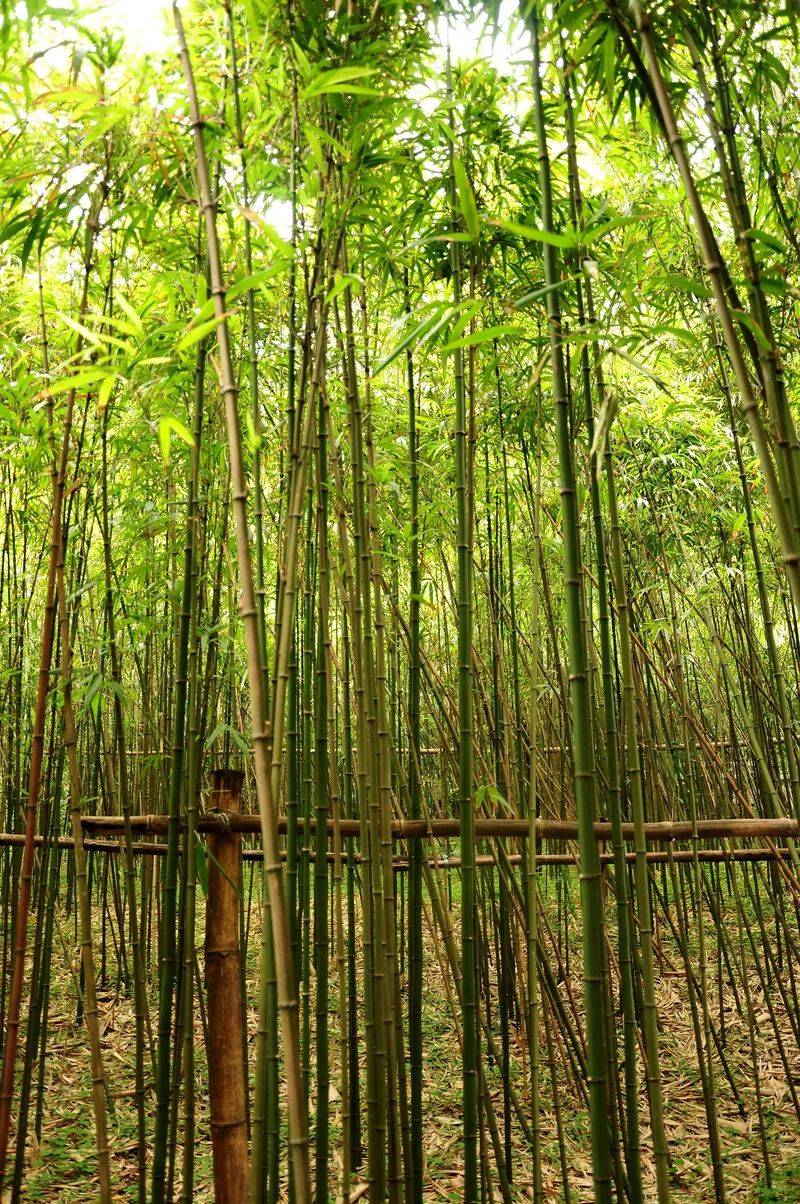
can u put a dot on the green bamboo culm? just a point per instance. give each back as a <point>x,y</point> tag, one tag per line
<point>469,980</point>
<point>266,1110</point>
<point>168,966</point>
<point>580,703</point>
<point>321,791</point>
<point>267,801</point>
<point>532,878</point>
<point>634,768</point>
<point>631,1137</point>
<point>194,757</point>
<point>415,1046</point>
<point>585,310</point>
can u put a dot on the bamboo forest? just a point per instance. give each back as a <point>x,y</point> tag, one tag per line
<point>400,601</point>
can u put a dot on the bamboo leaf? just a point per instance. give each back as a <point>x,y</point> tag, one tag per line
<point>408,340</point>
<point>563,241</point>
<point>347,280</point>
<point>195,333</point>
<point>130,313</point>
<point>768,240</point>
<point>201,863</point>
<point>683,284</point>
<point>167,427</point>
<point>488,334</point>
<point>341,80</point>
<point>640,367</point>
<point>247,283</point>
<point>609,47</point>
<point>605,419</point>
<point>104,392</point>
<point>81,380</point>
<point>466,199</point>
<point>538,293</point>
<point>745,319</point>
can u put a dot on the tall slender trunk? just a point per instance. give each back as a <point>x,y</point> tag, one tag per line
<point>415,953</point>
<point>267,803</point>
<point>583,752</point>
<point>469,976</point>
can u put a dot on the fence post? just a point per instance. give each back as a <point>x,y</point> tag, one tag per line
<point>225,1052</point>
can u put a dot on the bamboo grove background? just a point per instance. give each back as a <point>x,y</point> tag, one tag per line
<point>416,434</point>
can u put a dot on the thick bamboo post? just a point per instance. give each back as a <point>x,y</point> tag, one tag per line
<point>226,1081</point>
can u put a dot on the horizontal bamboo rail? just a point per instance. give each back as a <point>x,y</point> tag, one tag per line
<point>661,857</point>
<point>407,829</point>
<point>144,848</point>
<point>152,849</point>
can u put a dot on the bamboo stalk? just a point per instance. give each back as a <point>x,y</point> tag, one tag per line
<point>226,1089</point>
<point>287,1003</point>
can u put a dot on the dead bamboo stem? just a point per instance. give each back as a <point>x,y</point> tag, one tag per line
<point>226,1081</point>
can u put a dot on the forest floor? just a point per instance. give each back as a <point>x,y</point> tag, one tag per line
<point>60,1167</point>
